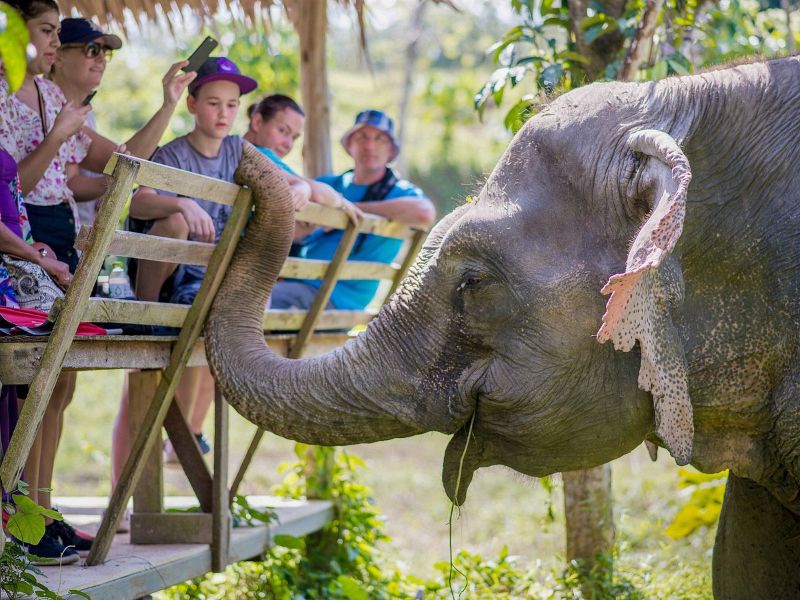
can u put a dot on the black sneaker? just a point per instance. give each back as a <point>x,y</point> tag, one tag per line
<point>50,551</point>
<point>69,536</point>
<point>202,441</point>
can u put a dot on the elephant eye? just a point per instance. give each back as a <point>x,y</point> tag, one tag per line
<point>470,282</point>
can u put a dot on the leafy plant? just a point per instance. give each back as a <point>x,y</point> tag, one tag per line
<point>703,505</point>
<point>26,522</point>
<point>13,46</point>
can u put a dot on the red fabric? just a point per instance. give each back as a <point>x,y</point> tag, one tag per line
<point>30,317</point>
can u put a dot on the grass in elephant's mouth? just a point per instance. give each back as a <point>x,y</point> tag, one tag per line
<point>453,568</point>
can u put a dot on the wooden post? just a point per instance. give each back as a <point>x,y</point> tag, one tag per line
<point>310,20</point>
<point>221,516</point>
<point>148,495</point>
<point>589,514</point>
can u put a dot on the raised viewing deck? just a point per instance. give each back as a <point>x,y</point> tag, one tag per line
<point>135,570</point>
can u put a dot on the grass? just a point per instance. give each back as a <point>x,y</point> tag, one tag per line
<point>503,508</point>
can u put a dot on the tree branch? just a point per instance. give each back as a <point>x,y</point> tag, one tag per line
<point>641,38</point>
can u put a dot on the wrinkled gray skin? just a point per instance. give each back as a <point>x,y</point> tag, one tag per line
<point>498,317</point>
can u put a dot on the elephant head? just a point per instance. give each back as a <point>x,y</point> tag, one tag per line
<point>493,336</point>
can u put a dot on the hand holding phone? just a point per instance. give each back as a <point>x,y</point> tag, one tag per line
<point>88,98</point>
<point>200,55</point>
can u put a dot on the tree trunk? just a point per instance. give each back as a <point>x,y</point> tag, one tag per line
<point>412,51</point>
<point>589,515</point>
<point>310,20</point>
<point>604,49</point>
<point>641,40</point>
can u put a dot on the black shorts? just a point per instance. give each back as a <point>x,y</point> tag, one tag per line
<point>55,226</point>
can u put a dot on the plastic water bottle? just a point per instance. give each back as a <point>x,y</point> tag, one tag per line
<point>119,286</point>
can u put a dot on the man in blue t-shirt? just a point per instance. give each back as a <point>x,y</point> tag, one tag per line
<point>375,189</point>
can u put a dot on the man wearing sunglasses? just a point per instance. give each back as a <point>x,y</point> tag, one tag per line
<point>80,64</point>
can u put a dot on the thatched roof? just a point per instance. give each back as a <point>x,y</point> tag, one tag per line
<point>108,12</point>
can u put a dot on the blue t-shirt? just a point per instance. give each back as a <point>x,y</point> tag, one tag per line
<point>355,294</point>
<point>270,154</point>
<point>181,154</point>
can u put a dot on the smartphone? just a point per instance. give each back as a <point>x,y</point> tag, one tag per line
<point>88,98</point>
<point>200,55</point>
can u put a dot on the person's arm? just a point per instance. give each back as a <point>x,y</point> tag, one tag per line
<point>323,194</point>
<point>145,141</point>
<point>84,187</point>
<point>414,211</point>
<point>16,246</point>
<point>147,204</point>
<point>68,122</point>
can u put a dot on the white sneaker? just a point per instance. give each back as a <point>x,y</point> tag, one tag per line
<point>169,456</point>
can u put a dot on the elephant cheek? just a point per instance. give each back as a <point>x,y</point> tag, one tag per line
<point>460,465</point>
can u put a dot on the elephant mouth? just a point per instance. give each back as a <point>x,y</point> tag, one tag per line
<point>461,459</point>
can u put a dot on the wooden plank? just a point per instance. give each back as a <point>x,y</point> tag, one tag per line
<point>193,325</point>
<point>63,333</point>
<point>170,179</point>
<point>171,528</point>
<point>152,247</point>
<point>330,217</point>
<point>107,310</point>
<point>307,268</point>
<point>135,571</point>
<point>19,361</point>
<point>416,245</point>
<point>189,455</point>
<point>148,494</point>
<point>221,516</point>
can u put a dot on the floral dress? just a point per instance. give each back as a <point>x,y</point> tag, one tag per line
<point>21,132</point>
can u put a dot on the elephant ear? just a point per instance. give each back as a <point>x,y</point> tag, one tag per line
<point>638,308</point>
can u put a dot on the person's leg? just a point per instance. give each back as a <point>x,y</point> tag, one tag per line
<point>152,274</point>
<point>120,435</point>
<point>50,434</point>
<point>204,398</point>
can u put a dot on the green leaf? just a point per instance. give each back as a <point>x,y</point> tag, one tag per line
<point>289,541</point>
<point>351,588</point>
<point>13,45</point>
<point>572,56</point>
<point>26,527</point>
<point>74,592</point>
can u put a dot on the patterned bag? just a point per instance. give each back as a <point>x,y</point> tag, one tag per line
<point>34,288</point>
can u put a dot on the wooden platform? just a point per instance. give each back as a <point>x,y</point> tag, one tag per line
<point>132,571</point>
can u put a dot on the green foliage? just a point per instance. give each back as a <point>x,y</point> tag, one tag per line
<point>690,34</point>
<point>13,45</point>
<point>18,577</point>
<point>703,505</point>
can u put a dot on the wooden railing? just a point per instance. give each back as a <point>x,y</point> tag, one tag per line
<point>161,360</point>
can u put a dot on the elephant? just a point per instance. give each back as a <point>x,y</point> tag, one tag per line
<point>663,217</point>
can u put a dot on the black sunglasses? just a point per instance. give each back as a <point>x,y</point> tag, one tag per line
<point>93,50</point>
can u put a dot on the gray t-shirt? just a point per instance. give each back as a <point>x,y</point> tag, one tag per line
<point>87,210</point>
<point>181,154</point>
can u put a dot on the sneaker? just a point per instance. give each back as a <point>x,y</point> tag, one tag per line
<point>69,536</point>
<point>202,441</point>
<point>50,551</point>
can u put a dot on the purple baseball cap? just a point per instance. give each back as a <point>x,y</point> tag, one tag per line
<point>219,68</point>
<point>377,119</point>
<point>83,31</point>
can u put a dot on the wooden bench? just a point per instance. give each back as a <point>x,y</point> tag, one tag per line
<point>160,360</point>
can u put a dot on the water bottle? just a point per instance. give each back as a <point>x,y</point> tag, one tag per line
<point>119,286</point>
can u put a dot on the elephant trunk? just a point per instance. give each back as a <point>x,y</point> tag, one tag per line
<point>362,392</point>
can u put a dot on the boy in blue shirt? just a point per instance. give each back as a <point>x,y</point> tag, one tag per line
<point>375,189</point>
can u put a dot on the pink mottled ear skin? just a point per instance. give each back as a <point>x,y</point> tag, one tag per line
<point>635,311</point>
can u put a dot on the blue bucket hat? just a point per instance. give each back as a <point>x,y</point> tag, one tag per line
<point>217,68</point>
<point>83,31</point>
<point>377,119</point>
